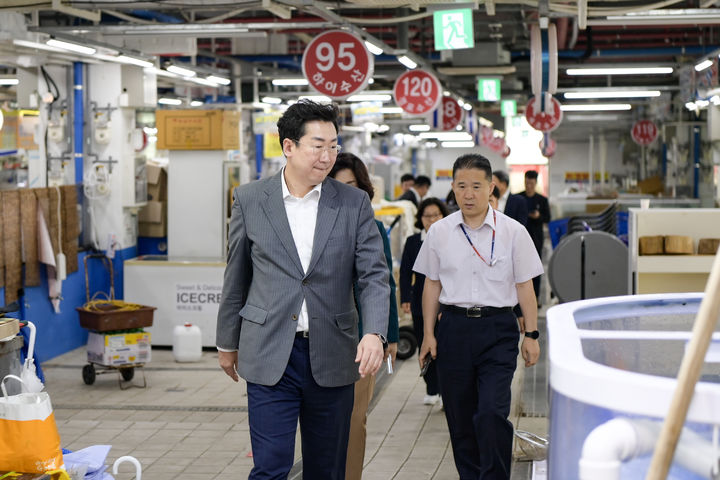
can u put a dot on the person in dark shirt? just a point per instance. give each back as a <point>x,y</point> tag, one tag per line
<point>538,214</point>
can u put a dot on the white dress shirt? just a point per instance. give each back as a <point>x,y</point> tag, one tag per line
<point>467,281</point>
<point>302,216</point>
<point>502,201</point>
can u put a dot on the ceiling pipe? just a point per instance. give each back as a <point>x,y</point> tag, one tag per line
<point>160,17</point>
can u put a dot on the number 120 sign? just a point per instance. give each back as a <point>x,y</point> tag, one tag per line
<point>337,64</point>
<point>417,92</point>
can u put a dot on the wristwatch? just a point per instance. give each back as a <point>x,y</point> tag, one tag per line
<point>534,334</point>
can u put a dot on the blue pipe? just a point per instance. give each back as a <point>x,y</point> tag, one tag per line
<point>696,162</point>
<point>160,17</point>
<point>259,147</point>
<point>413,161</point>
<point>664,160</point>
<point>78,120</point>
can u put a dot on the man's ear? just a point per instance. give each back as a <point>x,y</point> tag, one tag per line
<point>287,146</point>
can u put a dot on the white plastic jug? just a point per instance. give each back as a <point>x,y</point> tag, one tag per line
<point>187,343</point>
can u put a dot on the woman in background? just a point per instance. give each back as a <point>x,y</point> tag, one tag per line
<point>430,211</point>
<point>351,170</point>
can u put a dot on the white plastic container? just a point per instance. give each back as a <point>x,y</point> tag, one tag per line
<point>187,343</point>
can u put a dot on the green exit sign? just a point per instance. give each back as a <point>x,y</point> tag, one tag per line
<point>508,108</point>
<point>489,89</point>
<point>453,29</point>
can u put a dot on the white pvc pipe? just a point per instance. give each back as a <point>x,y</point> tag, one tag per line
<point>620,440</point>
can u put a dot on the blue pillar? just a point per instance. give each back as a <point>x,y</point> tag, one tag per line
<point>413,161</point>
<point>696,162</point>
<point>259,147</point>
<point>78,120</point>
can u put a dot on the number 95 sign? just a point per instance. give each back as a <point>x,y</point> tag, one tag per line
<point>337,64</point>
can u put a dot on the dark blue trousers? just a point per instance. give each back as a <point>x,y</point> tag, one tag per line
<point>431,377</point>
<point>476,360</point>
<point>324,415</point>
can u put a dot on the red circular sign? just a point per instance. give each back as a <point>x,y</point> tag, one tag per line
<point>417,92</point>
<point>451,113</point>
<point>644,132</point>
<point>337,64</point>
<point>547,148</point>
<point>547,120</point>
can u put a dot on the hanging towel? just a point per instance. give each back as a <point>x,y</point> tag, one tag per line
<point>46,255</point>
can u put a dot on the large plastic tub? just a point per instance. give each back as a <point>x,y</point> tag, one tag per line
<point>617,358</point>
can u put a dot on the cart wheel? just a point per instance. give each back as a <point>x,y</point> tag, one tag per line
<point>88,374</point>
<point>407,344</point>
<point>127,373</point>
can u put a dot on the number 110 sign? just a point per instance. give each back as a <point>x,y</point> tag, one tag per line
<point>337,64</point>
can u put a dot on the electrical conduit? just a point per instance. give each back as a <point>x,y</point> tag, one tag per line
<point>78,120</point>
<point>620,440</point>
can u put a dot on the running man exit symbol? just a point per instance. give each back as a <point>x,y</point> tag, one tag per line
<point>489,89</point>
<point>453,29</point>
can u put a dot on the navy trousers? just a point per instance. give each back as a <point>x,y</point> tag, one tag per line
<point>324,414</point>
<point>476,360</point>
<point>431,377</point>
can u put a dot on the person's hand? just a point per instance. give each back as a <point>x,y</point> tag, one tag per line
<point>534,214</point>
<point>228,362</point>
<point>406,307</point>
<point>530,351</point>
<point>429,347</point>
<point>391,350</point>
<point>369,354</point>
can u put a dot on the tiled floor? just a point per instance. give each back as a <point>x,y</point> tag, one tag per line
<point>190,422</point>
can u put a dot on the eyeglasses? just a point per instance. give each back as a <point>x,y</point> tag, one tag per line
<point>318,150</point>
<point>432,215</point>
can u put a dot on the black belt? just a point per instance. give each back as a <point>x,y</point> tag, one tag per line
<point>475,311</point>
<point>302,334</point>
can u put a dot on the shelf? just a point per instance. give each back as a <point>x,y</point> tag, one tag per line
<point>674,263</point>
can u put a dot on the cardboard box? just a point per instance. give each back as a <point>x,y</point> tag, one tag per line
<point>9,327</point>
<point>152,220</point>
<point>156,182</point>
<point>118,349</point>
<point>198,129</point>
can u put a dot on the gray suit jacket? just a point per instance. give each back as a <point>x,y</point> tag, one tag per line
<point>264,283</point>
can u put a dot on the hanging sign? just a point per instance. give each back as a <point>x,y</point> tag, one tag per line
<point>451,113</point>
<point>489,89</point>
<point>337,64</point>
<point>644,132</point>
<point>547,145</point>
<point>453,29</point>
<point>544,116</point>
<point>417,92</point>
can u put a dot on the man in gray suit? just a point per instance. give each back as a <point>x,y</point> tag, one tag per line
<point>288,321</point>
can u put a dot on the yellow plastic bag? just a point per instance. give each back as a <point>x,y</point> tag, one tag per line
<point>29,439</point>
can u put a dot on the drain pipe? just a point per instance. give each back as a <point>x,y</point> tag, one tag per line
<point>78,119</point>
<point>620,440</point>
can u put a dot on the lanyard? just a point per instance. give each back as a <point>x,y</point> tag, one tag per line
<point>492,247</point>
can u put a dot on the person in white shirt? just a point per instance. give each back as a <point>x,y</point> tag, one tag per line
<point>478,263</point>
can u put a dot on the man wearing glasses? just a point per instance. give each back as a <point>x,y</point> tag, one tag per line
<point>477,263</point>
<point>288,322</point>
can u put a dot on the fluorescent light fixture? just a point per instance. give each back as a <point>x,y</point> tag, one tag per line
<point>37,45</point>
<point>596,107</point>
<point>430,144</point>
<point>285,82</point>
<point>391,110</point>
<point>459,128</point>
<point>196,103</point>
<point>702,103</point>
<point>446,93</point>
<point>315,98</point>
<point>447,136</point>
<point>218,80</point>
<point>183,72</point>
<point>419,127</point>
<point>703,65</point>
<point>133,61</point>
<point>405,60</point>
<point>613,94</point>
<point>372,48</point>
<point>468,144</point>
<point>467,106</point>
<point>691,106</point>
<point>598,117</point>
<point>169,101</point>
<point>715,100</point>
<point>271,100</point>
<point>8,81</point>
<point>371,81</point>
<point>382,128</point>
<point>666,16</point>
<point>620,71</point>
<point>73,47</point>
<point>370,97</point>
<point>202,81</point>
